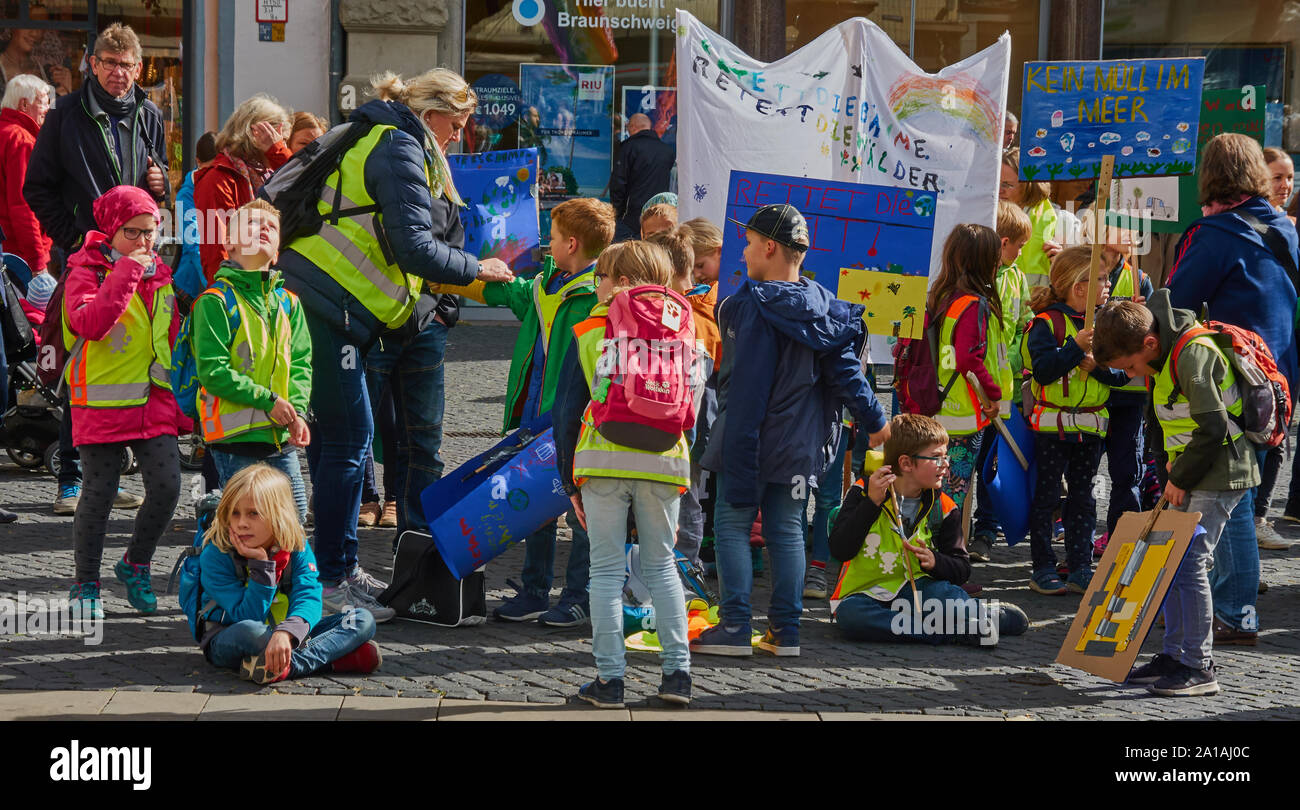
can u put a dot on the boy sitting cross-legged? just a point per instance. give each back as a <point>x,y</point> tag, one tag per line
<point>917,533</point>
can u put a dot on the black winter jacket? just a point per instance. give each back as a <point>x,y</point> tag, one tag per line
<point>642,169</point>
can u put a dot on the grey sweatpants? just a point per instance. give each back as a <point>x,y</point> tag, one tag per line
<point>1189,608</point>
<point>101,468</point>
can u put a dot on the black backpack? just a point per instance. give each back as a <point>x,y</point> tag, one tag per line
<point>298,185</point>
<point>425,590</point>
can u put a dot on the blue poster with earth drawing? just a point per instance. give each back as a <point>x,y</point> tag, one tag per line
<point>870,245</point>
<point>1144,112</point>
<point>500,190</point>
<point>567,112</point>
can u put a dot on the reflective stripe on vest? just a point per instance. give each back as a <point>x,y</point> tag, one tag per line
<point>258,354</point>
<point>351,251</point>
<point>547,305</point>
<point>960,413</point>
<point>118,370</point>
<point>598,457</point>
<point>1175,416</point>
<point>1075,403</point>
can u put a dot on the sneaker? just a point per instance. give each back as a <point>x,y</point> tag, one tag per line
<point>361,581</point>
<point>66,503</point>
<point>1062,570</point>
<point>1099,546</point>
<point>756,559</point>
<point>603,694</point>
<point>1047,581</point>
<point>254,669</point>
<point>1187,682</point>
<point>781,643</point>
<point>364,659</point>
<point>1078,581</point>
<point>676,687</point>
<point>8,517</point>
<point>1012,621</point>
<point>125,500</point>
<point>369,515</point>
<point>814,582</point>
<point>84,601</point>
<point>521,607</point>
<point>721,640</point>
<point>139,590</point>
<point>1159,667</point>
<point>341,597</point>
<point>1226,634</point>
<point>388,518</point>
<point>1290,517</point>
<point>1269,542</point>
<point>981,548</point>
<point>565,614</point>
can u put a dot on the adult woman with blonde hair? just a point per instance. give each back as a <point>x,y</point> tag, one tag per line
<point>359,279</point>
<point>250,147</point>
<point>1241,276</point>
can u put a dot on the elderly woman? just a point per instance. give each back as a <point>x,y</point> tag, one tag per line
<point>250,147</point>
<point>22,111</point>
<point>360,279</point>
<point>1243,278</point>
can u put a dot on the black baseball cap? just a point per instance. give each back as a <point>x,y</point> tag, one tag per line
<point>781,223</point>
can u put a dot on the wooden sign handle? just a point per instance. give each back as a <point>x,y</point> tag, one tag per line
<point>1099,207</point>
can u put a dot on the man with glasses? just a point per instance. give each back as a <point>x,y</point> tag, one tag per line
<point>105,134</point>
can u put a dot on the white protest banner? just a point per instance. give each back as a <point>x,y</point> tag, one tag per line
<point>849,106</point>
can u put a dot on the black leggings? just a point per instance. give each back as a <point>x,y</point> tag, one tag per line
<point>101,468</point>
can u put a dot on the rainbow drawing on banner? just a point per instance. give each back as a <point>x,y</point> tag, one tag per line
<point>958,97</point>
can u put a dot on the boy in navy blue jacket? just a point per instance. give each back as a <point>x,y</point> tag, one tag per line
<point>789,360</point>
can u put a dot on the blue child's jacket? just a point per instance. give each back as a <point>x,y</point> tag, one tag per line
<point>251,598</point>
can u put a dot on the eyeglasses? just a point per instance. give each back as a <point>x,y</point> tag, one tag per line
<point>939,461</point>
<point>135,233</point>
<point>113,64</point>
<point>599,276</point>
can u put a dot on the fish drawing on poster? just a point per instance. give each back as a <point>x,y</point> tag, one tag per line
<point>567,112</point>
<point>870,245</point>
<point>847,108</point>
<point>500,190</point>
<point>1144,112</point>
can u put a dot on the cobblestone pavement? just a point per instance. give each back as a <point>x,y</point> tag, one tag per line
<point>529,663</point>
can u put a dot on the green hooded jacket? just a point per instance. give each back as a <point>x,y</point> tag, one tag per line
<point>211,336</point>
<point>518,295</point>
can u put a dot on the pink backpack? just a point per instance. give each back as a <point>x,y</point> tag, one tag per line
<point>642,397</point>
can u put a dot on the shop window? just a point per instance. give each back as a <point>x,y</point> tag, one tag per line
<point>805,20</point>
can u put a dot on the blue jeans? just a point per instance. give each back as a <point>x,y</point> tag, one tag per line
<point>413,372</point>
<point>337,455</point>
<point>1124,449</point>
<point>333,637</point>
<point>655,507</point>
<point>286,461</point>
<point>1234,580</point>
<point>783,532</point>
<point>862,618</point>
<point>1189,613</point>
<point>539,562</point>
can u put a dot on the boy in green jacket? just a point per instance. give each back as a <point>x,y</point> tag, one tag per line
<point>550,305</point>
<point>252,352</point>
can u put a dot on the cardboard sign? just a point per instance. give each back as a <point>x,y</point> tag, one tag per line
<point>1126,592</point>
<point>1144,112</point>
<point>500,189</point>
<point>870,244</point>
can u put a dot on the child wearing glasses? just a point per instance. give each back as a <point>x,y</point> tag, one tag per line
<point>965,302</point>
<point>898,531</point>
<point>119,323</point>
<point>1069,418</point>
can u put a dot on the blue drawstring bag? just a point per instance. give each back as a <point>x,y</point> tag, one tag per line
<point>1012,488</point>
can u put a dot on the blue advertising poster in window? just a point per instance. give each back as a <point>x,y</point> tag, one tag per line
<point>567,113</point>
<point>1142,111</point>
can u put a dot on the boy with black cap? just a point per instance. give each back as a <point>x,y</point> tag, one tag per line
<point>789,359</point>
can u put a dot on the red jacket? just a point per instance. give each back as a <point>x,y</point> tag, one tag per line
<point>220,187</point>
<point>24,236</point>
<point>92,310</point>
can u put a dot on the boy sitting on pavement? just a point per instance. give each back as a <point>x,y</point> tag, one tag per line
<point>559,297</point>
<point>1198,405</point>
<point>778,409</point>
<point>916,537</point>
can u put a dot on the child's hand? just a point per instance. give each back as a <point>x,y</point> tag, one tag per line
<point>247,552</point>
<point>576,499</point>
<point>143,256</point>
<point>878,485</point>
<point>282,413</point>
<point>299,433</point>
<point>991,410</point>
<point>493,269</point>
<point>1084,339</point>
<point>923,555</point>
<point>1087,363</point>
<point>1051,248</point>
<point>1174,494</point>
<point>278,652</point>
<point>879,437</point>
